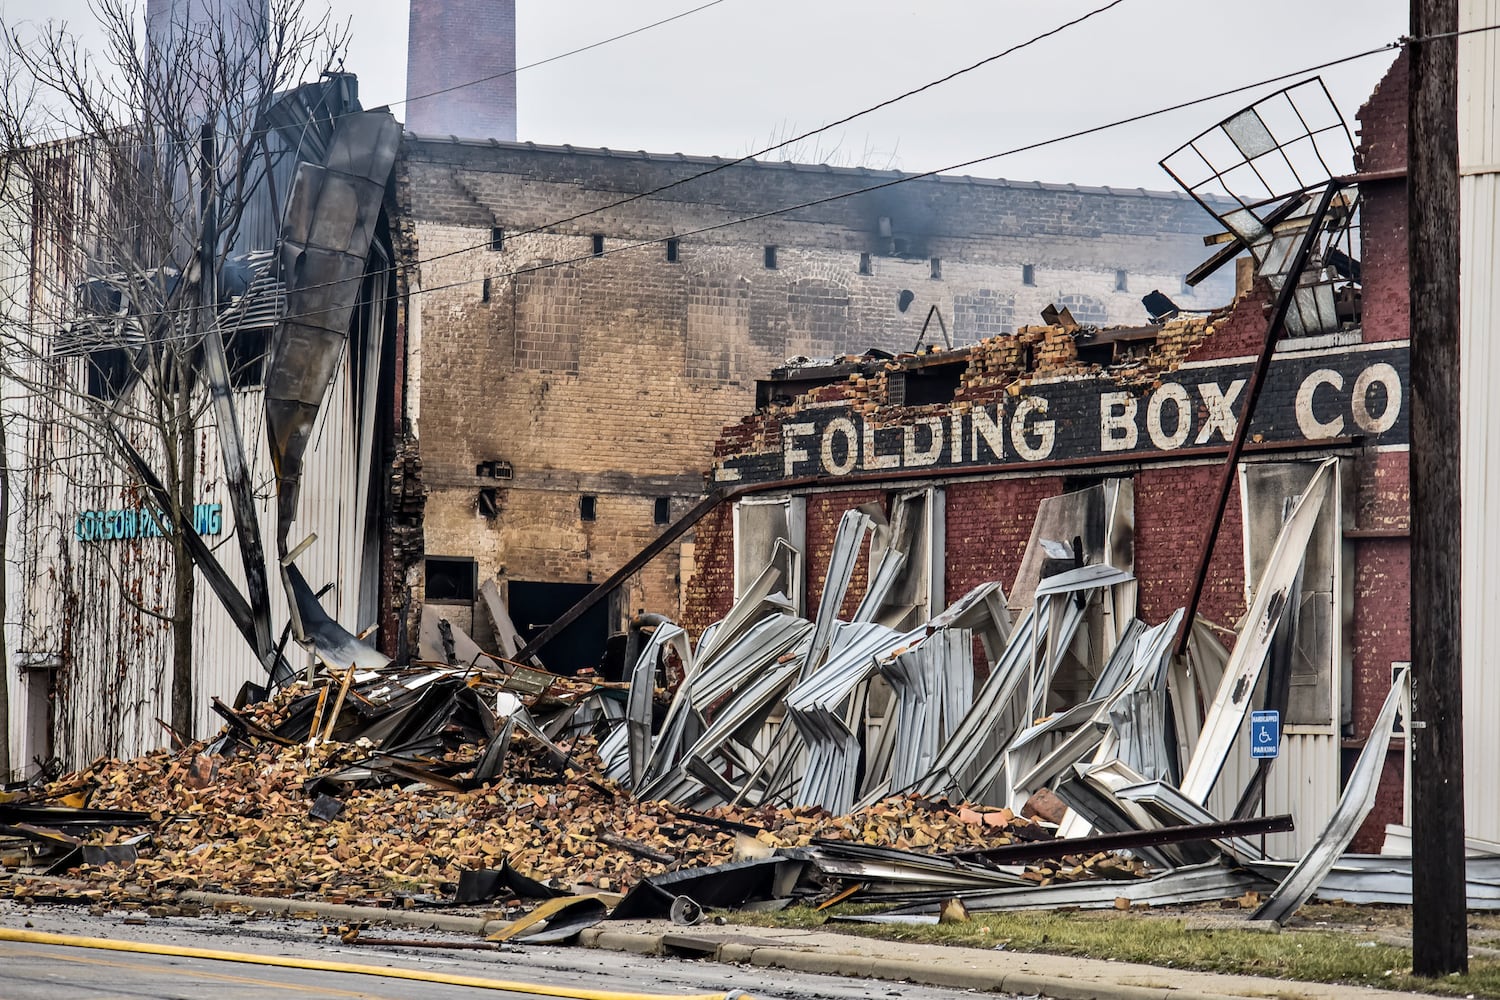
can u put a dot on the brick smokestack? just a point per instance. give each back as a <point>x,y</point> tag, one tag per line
<point>453,42</point>
<point>202,24</point>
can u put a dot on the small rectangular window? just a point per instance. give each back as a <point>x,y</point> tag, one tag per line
<point>1121,284</point>
<point>1028,274</point>
<point>661,511</point>
<point>770,257</point>
<point>489,502</point>
<point>864,263</point>
<point>452,579</point>
<point>497,238</point>
<point>672,251</point>
<point>937,268</point>
<point>588,507</point>
<point>598,244</point>
<point>484,294</point>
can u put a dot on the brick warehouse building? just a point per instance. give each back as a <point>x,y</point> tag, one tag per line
<point>569,378</point>
<point>987,433</point>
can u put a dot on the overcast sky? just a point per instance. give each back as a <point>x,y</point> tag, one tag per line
<point>745,73</point>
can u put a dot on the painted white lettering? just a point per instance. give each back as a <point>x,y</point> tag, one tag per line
<point>840,427</point>
<point>986,427</point>
<point>957,427</point>
<point>1377,374</point>
<point>1313,428</point>
<point>1220,406</point>
<point>1045,430</point>
<point>790,453</point>
<point>1177,395</point>
<point>1117,430</point>
<point>874,460</point>
<point>911,455</point>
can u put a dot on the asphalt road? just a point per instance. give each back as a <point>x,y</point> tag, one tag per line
<point>48,972</point>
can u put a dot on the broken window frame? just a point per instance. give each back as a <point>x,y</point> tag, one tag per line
<point>790,527</point>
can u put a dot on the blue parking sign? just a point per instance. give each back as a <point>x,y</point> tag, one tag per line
<point>1265,734</point>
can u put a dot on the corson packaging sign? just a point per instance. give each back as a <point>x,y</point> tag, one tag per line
<point>120,524</point>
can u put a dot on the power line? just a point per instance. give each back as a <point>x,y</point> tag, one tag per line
<point>560,55</point>
<point>906,178</point>
<point>796,138</point>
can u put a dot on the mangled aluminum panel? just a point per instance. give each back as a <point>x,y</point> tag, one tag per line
<point>1100,519</point>
<point>825,710</point>
<point>1354,805</point>
<point>330,222</point>
<point>1196,884</point>
<point>1226,717</point>
<point>933,685</point>
<point>643,688</point>
<point>507,638</point>
<point>1170,808</point>
<point>325,637</point>
<point>853,527</point>
<point>1380,879</point>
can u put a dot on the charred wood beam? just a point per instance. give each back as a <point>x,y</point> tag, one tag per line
<point>1252,393</point>
<point>1043,850</point>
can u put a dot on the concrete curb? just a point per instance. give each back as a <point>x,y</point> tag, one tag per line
<point>684,943</point>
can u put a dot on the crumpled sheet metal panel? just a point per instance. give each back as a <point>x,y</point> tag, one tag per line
<point>1226,717</point>
<point>1354,805</point>
<point>330,223</point>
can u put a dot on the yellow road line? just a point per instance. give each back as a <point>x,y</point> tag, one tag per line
<point>314,965</point>
<point>196,973</point>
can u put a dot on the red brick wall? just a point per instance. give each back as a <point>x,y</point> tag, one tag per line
<point>988,525</point>
<point>1169,519</point>
<point>710,592</point>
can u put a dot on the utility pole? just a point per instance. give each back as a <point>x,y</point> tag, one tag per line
<point>1439,917</point>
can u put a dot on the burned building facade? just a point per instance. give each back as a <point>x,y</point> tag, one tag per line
<point>584,321</point>
<point>1065,445</point>
<point>258,437</point>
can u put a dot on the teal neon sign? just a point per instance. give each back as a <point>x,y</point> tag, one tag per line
<point>123,523</point>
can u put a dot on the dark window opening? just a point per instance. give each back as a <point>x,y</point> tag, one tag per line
<point>489,502</point>
<point>484,293</point>
<point>926,386</point>
<point>1028,274</point>
<point>598,244</point>
<point>671,251</point>
<point>661,511</point>
<point>108,372</point>
<point>588,507</point>
<point>452,579</point>
<point>1121,282</point>
<point>497,238</point>
<point>770,257</point>
<point>937,268</point>
<point>1097,354</point>
<point>494,469</point>
<point>245,353</point>
<point>864,263</point>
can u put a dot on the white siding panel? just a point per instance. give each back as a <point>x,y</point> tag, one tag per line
<point>1479,192</point>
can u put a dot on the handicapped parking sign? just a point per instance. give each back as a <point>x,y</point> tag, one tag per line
<point>1265,734</point>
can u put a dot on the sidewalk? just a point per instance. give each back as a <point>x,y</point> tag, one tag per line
<point>1058,976</point>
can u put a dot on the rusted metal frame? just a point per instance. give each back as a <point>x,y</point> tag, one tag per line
<point>675,531</point>
<point>1045,849</point>
<point>1252,392</point>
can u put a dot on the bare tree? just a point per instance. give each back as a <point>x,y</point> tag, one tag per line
<point>145,174</point>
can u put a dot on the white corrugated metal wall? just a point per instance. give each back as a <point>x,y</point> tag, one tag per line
<point>1479,234</point>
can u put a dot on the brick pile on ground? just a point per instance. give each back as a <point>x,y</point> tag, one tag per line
<point>239,823</point>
